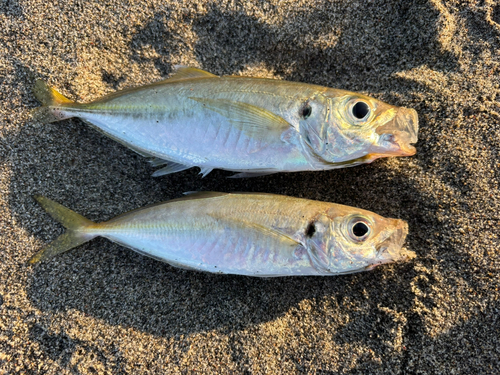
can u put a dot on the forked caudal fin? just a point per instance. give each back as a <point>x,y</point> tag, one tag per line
<point>53,103</point>
<point>74,236</point>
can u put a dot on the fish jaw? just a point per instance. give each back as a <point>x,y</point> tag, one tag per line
<point>391,249</point>
<point>397,136</point>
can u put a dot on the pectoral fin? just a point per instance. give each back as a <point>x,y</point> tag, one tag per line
<point>254,121</point>
<point>243,223</point>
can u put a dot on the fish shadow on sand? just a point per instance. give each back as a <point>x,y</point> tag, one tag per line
<point>330,50</point>
<point>120,287</point>
<point>100,178</point>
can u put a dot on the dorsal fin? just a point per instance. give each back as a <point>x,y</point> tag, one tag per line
<point>185,72</point>
<point>192,195</point>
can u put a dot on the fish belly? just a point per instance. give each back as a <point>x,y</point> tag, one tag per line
<point>219,250</point>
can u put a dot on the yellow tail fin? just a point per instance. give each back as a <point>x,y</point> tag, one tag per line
<point>74,236</point>
<point>53,103</point>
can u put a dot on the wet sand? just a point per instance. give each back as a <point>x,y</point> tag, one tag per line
<point>103,309</point>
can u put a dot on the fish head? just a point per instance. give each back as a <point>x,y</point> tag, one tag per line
<point>356,241</point>
<point>355,128</point>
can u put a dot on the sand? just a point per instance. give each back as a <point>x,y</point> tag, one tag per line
<point>103,309</point>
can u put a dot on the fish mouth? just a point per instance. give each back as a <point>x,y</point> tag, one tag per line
<point>391,249</point>
<point>397,136</point>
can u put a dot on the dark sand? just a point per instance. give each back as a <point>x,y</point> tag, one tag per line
<point>103,309</point>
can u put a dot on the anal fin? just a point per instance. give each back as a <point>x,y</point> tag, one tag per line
<point>171,168</point>
<point>156,162</point>
<point>204,171</point>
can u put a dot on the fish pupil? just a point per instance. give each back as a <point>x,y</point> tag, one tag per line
<point>360,110</point>
<point>306,111</point>
<point>360,229</point>
<point>311,229</point>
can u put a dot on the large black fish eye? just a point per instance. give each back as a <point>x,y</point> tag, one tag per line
<point>359,229</point>
<point>360,110</point>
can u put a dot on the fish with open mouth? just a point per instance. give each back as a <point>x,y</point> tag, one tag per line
<point>251,234</point>
<point>254,126</point>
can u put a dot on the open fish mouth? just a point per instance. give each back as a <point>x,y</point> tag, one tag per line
<point>399,134</point>
<point>391,249</point>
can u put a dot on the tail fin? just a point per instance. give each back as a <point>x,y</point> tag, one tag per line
<point>74,236</point>
<point>53,103</point>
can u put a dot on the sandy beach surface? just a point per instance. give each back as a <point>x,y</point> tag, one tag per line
<point>103,309</point>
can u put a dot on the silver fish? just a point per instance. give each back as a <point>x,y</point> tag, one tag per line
<point>250,125</point>
<point>249,234</point>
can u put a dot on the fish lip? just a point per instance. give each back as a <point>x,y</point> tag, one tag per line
<point>391,249</point>
<point>401,132</point>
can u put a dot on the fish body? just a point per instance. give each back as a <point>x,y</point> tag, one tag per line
<point>250,125</point>
<point>246,234</point>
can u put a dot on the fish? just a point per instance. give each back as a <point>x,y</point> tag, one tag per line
<point>251,234</point>
<point>253,126</point>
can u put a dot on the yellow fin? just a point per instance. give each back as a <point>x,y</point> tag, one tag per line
<point>49,96</point>
<point>73,237</point>
<point>185,72</point>
<point>52,101</point>
<point>255,121</point>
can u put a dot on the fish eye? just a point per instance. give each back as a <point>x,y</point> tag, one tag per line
<point>359,229</point>
<point>360,110</point>
<point>305,111</point>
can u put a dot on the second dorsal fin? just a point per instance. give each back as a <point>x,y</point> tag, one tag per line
<point>185,72</point>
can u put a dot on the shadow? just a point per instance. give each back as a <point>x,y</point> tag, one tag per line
<point>11,8</point>
<point>173,302</point>
<point>111,79</point>
<point>495,14</point>
<point>70,353</point>
<point>482,25</point>
<point>104,280</point>
<point>157,35</point>
<point>327,51</point>
<point>348,56</point>
<point>469,347</point>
